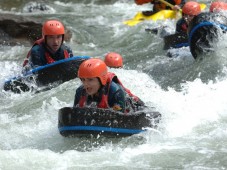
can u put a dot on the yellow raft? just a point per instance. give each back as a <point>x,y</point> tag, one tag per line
<point>161,15</point>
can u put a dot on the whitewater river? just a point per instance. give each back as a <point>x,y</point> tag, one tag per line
<point>191,96</point>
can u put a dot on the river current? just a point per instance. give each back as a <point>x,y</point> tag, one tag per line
<point>190,95</point>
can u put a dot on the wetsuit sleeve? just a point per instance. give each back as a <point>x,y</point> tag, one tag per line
<point>35,58</point>
<point>69,50</point>
<point>179,24</point>
<point>77,96</point>
<point>182,3</point>
<point>116,97</point>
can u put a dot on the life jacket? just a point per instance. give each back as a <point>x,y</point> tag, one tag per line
<point>181,26</point>
<point>184,27</point>
<point>104,98</point>
<point>49,59</point>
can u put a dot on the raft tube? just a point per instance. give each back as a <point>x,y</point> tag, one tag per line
<point>74,122</point>
<point>57,72</point>
<point>204,32</point>
<point>176,40</point>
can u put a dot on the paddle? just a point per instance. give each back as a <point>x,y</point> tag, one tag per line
<point>168,4</point>
<point>202,6</point>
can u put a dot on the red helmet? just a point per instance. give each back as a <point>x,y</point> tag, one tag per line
<point>114,60</point>
<point>53,27</point>
<point>191,8</point>
<point>218,6</point>
<point>93,67</point>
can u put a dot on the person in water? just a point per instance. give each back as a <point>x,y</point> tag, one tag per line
<point>189,11</point>
<point>103,89</point>
<point>50,47</point>
<point>218,6</point>
<point>113,60</point>
<point>158,5</point>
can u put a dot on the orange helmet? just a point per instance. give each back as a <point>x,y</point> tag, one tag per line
<point>93,67</point>
<point>218,6</point>
<point>53,27</point>
<point>191,8</point>
<point>113,60</point>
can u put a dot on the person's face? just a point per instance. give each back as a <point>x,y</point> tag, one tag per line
<point>188,18</point>
<point>91,85</point>
<point>54,42</point>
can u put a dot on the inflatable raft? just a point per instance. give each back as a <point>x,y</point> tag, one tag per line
<point>177,40</point>
<point>45,77</point>
<point>161,15</point>
<point>94,121</point>
<point>205,31</point>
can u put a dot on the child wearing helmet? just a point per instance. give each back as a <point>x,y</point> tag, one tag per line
<point>158,5</point>
<point>189,11</point>
<point>50,47</point>
<point>103,89</point>
<point>113,60</point>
